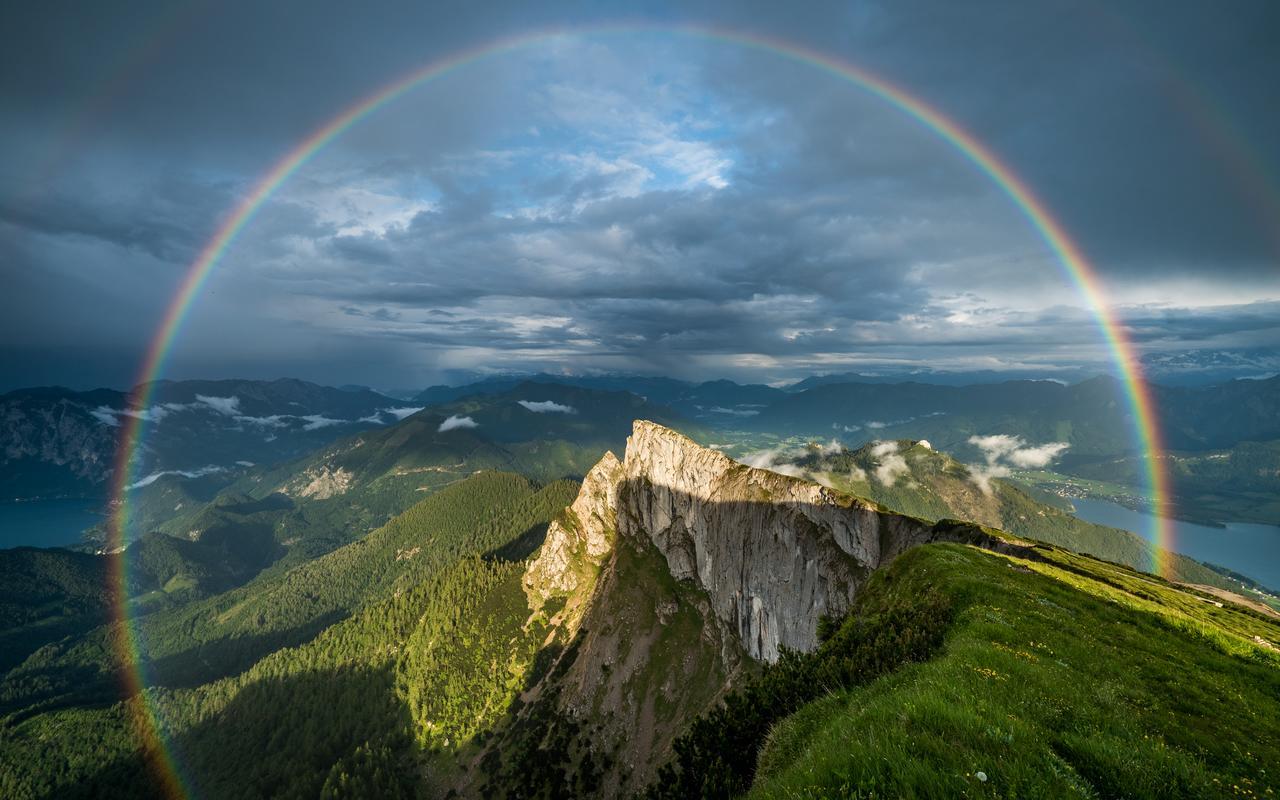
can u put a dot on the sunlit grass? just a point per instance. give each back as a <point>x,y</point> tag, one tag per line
<point>1062,678</point>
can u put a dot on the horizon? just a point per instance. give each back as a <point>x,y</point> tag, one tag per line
<point>958,379</point>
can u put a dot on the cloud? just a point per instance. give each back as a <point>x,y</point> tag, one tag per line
<point>273,421</point>
<point>317,421</point>
<point>1003,452</point>
<point>774,460</point>
<point>831,448</point>
<point>111,416</point>
<point>106,416</point>
<point>650,204</point>
<point>982,475</point>
<point>223,405</point>
<point>195,473</point>
<point>1037,457</point>
<point>455,422</point>
<point>402,412</point>
<point>735,412</point>
<point>547,407</point>
<point>891,465</point>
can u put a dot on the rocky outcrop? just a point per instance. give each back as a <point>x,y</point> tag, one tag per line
<point>321,483</point>
<point>772,553</point>
<point>576,543</point>
<point>674,573</point>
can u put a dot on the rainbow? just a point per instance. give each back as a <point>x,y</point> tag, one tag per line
<point>1068,253</point>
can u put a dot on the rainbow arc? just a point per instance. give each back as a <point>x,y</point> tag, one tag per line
<point>1069,255</point>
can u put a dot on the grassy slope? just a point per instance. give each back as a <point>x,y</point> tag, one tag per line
<point>1072,678</point>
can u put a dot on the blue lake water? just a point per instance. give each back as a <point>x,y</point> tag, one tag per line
<point>1247,548</point>
<point>46,523</point>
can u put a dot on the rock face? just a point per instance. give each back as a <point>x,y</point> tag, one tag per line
<point>321,483</point>
<point>51,444</point>
<point>577,542</point>
<point>772,553</point>
<point>673,574</point>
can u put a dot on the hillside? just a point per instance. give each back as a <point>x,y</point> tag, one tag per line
<point>913,478</point>
<point>246,656</point>
<point>961,673</point>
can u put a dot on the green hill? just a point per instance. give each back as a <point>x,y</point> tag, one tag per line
<point>966,674</point>
<point>915,479</point>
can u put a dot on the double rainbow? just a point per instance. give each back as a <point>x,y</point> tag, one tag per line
<point>1069,254</point>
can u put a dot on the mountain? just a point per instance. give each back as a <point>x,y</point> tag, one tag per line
<point>545,431</point>
<point>684,626</point>
<point>297,510</point>
<point>913,478</point>
<point>1222,415</point>
<point>1092,416</point>
<point>1208,367</point>
<point>710,402</point>
<point>671,576</point>
<point>53,445</point>
<point>56,442</point>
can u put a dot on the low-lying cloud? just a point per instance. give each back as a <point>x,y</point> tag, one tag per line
<point>193,473</point>
<point>547,407</point>
<point>455,422</point>
<point>775,460</point>
<point>223,405</point>
<point>401,413</point>
<point>735,412</point>
<point>891,465</point>
<point>273,421</point>
<point>1003,452</point>
<point>317,421</point>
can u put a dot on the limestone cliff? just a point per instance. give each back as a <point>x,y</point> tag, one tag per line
<point>576,543</point>
<point>772,553</point>
<point>674,572</point>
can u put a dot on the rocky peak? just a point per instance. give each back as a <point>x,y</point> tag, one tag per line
<point>772,553</point>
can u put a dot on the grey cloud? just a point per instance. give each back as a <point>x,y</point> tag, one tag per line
<point>684,206</point>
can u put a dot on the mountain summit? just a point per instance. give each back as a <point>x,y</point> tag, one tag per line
<point>676,573</point>
<point>773,553</point>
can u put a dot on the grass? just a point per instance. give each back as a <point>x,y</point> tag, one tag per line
<point>1061,677</point>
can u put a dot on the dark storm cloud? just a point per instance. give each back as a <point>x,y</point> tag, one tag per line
<point>630,202</point>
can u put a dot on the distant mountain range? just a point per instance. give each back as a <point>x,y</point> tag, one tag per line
<point>58,442</point>
<point>1093,416</point>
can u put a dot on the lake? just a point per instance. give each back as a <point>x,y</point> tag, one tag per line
<point>46,523</point>
<point>1248,548</point>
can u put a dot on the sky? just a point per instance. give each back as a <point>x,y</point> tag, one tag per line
<point>615,196</point>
